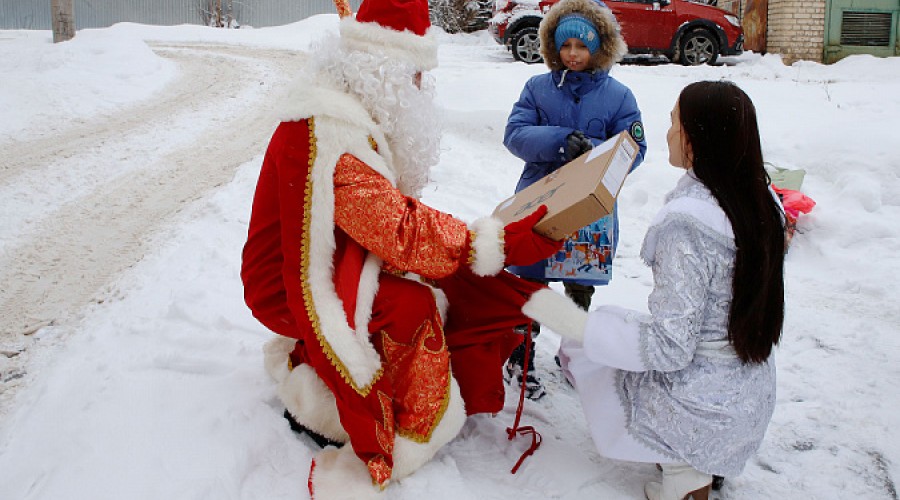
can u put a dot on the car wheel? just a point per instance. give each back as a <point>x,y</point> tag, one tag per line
<point>698,47</point>
<point>526,45</point>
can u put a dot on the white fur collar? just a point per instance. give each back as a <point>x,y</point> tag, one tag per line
<point>690,198</point>
<point>310,96</point>
<point>342,125</point>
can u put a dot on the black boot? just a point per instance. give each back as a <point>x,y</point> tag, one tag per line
<point>320,440</point>
<point>534,389</point>
<point>580,294</point>
<point>717,483</point>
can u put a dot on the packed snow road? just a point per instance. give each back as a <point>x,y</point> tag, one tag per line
<point>107,185</point>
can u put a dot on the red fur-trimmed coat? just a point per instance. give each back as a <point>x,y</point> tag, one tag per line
<point>329,229</point>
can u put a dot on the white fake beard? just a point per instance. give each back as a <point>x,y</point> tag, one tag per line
<point>407,115</point>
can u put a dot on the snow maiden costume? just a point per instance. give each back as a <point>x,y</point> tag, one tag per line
<point>335,240</point>
<point>668,387</point>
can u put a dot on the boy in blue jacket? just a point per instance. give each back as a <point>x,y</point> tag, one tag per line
<point>559,116</point>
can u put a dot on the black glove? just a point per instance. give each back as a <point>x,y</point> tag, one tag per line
<point>576,145</point>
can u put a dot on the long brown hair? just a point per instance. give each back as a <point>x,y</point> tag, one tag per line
<point>719,121</point>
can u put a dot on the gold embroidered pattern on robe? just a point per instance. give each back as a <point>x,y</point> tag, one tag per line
<point>384,433</point>
<point>420,375</point>
<point>379,470</point>
<point>405,233</point>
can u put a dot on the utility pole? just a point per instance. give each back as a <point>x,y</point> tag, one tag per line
<point>62,13</point>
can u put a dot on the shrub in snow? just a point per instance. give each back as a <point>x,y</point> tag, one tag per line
<point>218,13</point>
<point>460,16</point>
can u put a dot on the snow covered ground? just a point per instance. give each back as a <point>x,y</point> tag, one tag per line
<point>148,383</point>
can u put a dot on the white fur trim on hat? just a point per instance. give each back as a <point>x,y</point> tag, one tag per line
<point>487,246</point>
<point>557,313</point>
<point>419,51</point>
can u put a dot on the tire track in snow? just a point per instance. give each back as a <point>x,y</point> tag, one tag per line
<point>123,177</point>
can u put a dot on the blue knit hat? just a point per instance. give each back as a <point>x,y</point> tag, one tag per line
<point>577,26</point>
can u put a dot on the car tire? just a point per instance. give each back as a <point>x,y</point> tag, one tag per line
<point>698,47</point>
<point>526,45</point>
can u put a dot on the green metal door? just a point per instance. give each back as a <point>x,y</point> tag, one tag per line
<point>861,27</point>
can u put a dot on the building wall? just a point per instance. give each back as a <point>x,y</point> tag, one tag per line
<point>796,29</point>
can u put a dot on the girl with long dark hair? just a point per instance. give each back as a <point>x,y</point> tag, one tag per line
<point>691,385</point>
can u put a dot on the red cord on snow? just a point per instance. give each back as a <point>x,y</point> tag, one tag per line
<point>309,482</point>
<point>525,429</point>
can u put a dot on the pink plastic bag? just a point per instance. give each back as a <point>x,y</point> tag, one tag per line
<point>795,202</point>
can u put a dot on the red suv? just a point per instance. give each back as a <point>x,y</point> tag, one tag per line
<point>688,32</point>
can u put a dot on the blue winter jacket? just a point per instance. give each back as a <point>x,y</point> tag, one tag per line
<point>552,106</point>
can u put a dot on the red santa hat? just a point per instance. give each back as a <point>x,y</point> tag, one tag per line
<point>397,29</point>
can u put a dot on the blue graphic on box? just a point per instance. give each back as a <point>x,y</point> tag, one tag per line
<point>585,257</point>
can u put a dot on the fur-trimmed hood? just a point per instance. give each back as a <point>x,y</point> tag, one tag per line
<point>612,45</point>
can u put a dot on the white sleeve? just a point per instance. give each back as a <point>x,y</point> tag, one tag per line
<point>612,338</point>
<point>665,339</point>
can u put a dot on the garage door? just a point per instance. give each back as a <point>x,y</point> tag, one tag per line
<point>861,27</point>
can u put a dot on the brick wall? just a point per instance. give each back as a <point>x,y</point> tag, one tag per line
<point>796,29</point>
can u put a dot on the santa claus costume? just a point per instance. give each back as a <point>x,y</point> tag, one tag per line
<point>340,249</point>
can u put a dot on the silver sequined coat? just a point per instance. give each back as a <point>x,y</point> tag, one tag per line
<point>684,392</point>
